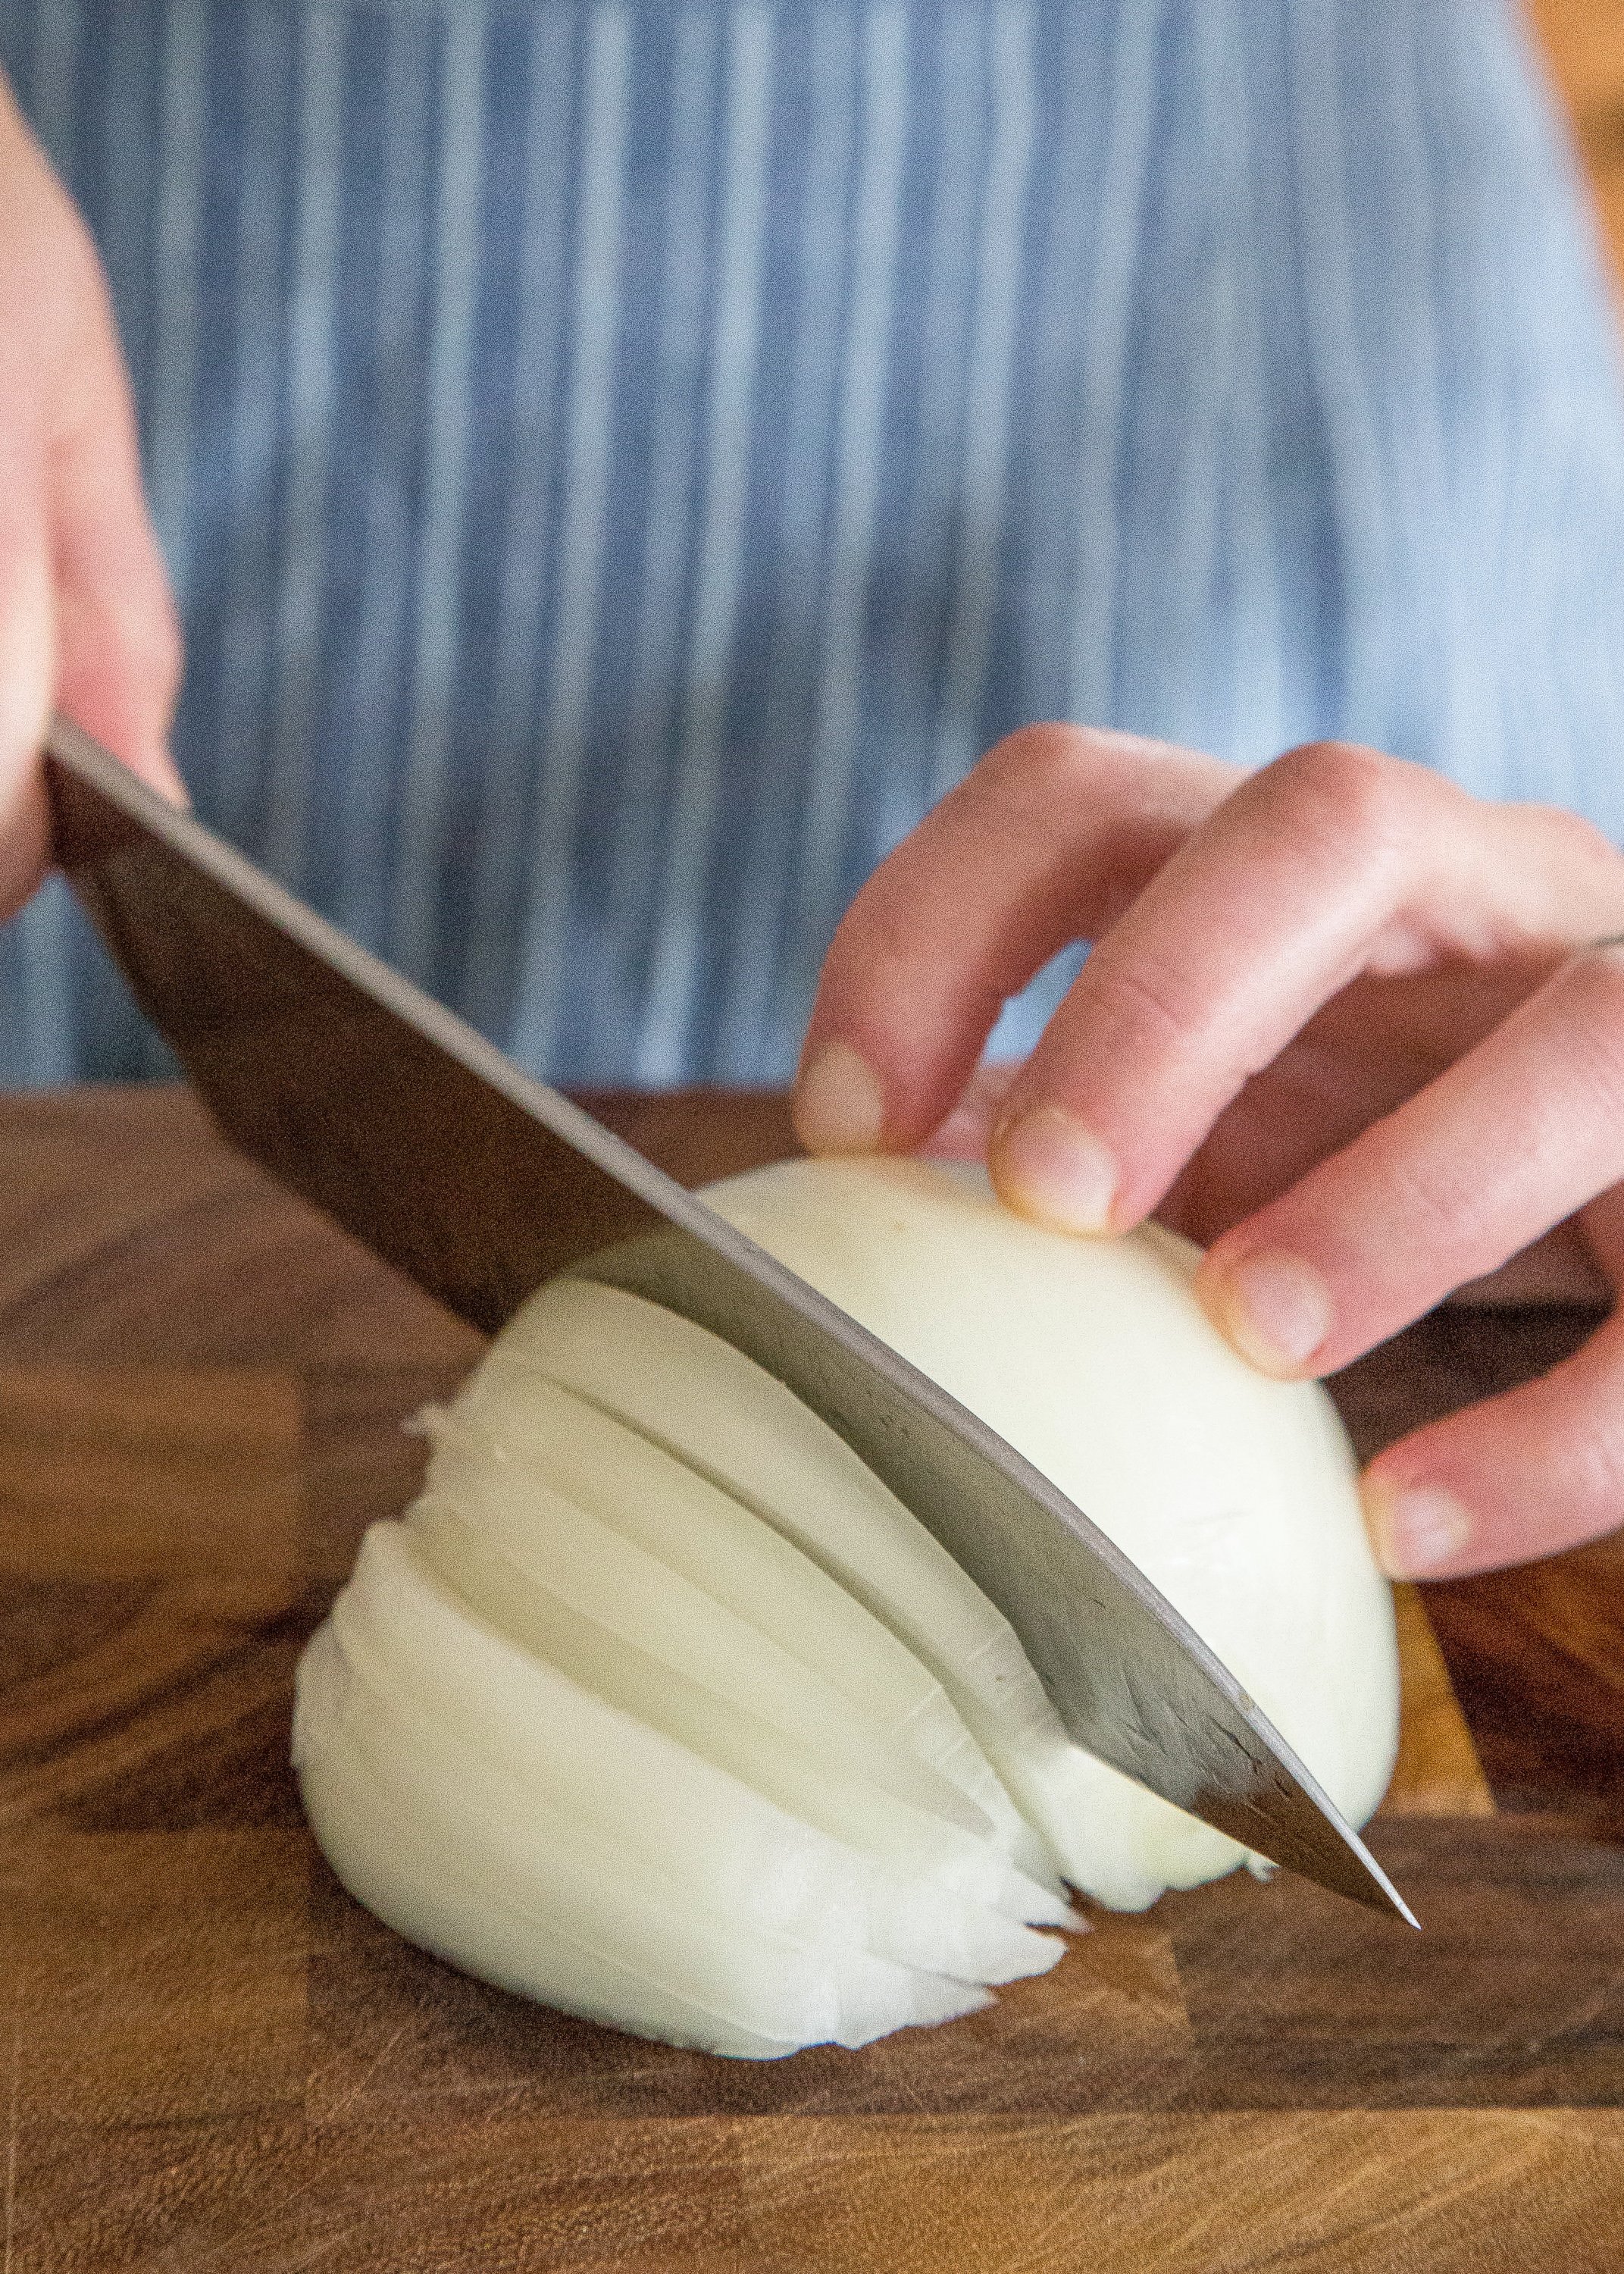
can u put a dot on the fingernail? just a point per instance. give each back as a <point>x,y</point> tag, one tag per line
<point>1415,1531</point>
<point>1051,1167</point>
<point>1276,1310</point>
<point>839,1106</point>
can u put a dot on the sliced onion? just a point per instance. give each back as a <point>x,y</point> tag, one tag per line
<point>743,1595</point>
<point>660,1708</point>
<point>468,1748</point>
<point>435,1848</point>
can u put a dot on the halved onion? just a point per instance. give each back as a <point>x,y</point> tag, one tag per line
<point>660,1708</point>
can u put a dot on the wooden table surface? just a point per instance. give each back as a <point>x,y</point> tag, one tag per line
<point>211,2058</point>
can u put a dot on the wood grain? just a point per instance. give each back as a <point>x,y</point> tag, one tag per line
<point>211,2058</point>
<point>1438,1772</point>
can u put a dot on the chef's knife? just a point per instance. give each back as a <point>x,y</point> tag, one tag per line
<point>384,1109</point>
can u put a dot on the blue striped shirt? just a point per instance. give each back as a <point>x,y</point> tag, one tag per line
<point>621,460</point>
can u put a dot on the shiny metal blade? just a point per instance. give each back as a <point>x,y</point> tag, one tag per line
<point>388,1112</point>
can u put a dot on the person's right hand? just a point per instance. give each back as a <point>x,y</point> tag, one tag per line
<point>87,625</point>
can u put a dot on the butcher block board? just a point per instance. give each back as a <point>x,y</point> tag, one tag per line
<point>211,2058</point>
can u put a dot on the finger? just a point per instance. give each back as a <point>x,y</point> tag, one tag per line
<point>1538,1469</point>
<point>27,669</point>
<point>1330,863</point>
<point>119,638</point>
<point>1515,1137</point>
<point>1043,843</point>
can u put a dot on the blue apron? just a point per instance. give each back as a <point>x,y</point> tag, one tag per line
<point>621,460</point>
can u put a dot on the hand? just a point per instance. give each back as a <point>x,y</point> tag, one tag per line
<point>1342,1020</point>
<point>86,622</point>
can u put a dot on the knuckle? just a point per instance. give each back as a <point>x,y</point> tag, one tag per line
<point>1593,983</point>
<point>1574,837</point>
<point>1439,1206</point>
<point>1361,803</point>
<point>1584,868</point>
<point>1140,1007</point>
<point>1054,776</point>
<point>1572,1051</point>
<point>1056,765</point>
<point>1049,764</point>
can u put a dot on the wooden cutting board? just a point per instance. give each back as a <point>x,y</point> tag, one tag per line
<point>211,2058</point>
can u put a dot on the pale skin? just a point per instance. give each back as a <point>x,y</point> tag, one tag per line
<point>1343,1022</point>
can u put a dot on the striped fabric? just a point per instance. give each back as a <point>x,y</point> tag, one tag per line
<point>621,460</point>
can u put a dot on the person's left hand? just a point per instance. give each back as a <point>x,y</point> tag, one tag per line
<point>1338,1023</point>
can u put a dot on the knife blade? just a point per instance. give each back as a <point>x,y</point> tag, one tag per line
<point>387,1112</point>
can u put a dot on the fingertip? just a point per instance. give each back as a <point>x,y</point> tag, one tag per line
<point>839,1105</point>
<point>1048,1165</point>
<point>1273,1307</point>
<point>1416,1530</point>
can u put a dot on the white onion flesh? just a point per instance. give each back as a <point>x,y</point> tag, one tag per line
<point>473,1755</point>
<point>548,1454</point>
<point>841,1796</point>
<point>662,1709</point>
